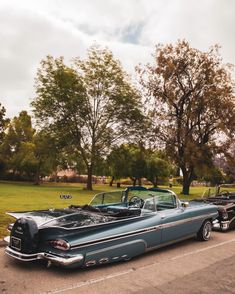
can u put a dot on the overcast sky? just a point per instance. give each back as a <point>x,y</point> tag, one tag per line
<point>30,30</point>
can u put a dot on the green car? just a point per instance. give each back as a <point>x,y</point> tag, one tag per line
<point>115,226</point>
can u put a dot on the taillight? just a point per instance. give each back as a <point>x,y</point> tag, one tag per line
<point>60,244</point>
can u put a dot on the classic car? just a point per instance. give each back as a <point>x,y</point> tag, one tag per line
<point>224,198</point>
<point>115,226</point>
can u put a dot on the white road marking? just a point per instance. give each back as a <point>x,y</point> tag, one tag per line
<point>104,278</point>
<point>89,282</point>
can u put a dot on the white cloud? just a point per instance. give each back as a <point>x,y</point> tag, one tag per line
<point>32,29</point>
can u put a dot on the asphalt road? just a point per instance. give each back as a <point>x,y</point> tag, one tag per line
<point>187,267</point>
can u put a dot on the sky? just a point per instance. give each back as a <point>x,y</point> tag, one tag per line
<point>31,29</point>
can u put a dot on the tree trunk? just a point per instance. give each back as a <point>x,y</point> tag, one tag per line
<point>187,180</point>
<point>89,177</point>
<point>139,182</point>
<point>134,181</point>
<point>55,177</point>
<point>37,178</point>
<point>111,182</point>
<point>186,186</point>
<point>155,182</point>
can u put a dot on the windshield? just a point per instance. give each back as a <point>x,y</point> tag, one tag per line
<point>212,191</point>
<point>108,198</point>
<point>154,200</point>
<point>147,200</point>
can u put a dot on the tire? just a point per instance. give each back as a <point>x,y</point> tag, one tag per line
<point>205,231</point>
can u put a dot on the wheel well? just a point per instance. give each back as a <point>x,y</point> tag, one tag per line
<point>210,219</point>
<point>207,219</point>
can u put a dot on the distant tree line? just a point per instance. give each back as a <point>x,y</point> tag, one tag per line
<point>91,117</point>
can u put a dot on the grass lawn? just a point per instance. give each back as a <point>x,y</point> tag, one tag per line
<point>15,196</point>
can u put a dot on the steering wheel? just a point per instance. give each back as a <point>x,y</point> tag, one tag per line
<point>136,201</point>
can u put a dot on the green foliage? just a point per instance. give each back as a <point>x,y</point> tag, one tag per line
<point>88,106</point>
<point>136,162</point>
<point>24,160</point>
<point>28,154</point>
<point>156,167</point>
<point>214,176</point>
<point>126,160</point>
<point>3,124</point>
<point>17,146</point>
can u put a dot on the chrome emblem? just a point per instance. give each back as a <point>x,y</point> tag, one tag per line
<point>19,230</point>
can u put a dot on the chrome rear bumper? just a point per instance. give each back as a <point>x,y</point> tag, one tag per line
<point>64,261</point>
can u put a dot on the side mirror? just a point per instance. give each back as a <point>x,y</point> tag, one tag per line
<point>185,204</point>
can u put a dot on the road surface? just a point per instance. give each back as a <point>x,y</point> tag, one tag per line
<point>188,267</point>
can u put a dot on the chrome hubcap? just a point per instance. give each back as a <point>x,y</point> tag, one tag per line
<point>207,230</point>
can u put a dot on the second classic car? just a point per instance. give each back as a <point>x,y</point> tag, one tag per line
<point>115,226</point>
<point>224,198</point>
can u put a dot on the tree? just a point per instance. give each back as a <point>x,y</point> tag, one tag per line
<point>29,154</point>
<point>192,101</point>
<point>88,106</point>
<point>214,176</point>
<point>137,163</point>
<point>47,155</point>
<point>3,122</point>
<point>118,162</point>
<point>156,167</point>
<point>3,125</point>
<point>24,161</point>
<point>19,131</point>
<point>127,160</point>
<point>226,162</point>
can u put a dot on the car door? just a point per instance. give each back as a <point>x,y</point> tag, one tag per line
<point>177,223</point>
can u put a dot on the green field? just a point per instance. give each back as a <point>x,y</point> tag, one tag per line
<point>15,196</point>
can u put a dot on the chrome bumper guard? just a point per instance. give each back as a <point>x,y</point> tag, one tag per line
<point>224,225</point>
<point>64,261</point>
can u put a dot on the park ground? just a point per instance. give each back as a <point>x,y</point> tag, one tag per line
<point>20,196</point>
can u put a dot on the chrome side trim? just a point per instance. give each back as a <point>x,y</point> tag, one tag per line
<point>115,237</point>
<point>64,261</point>
<point>170,243</point>
<point>184,221</point>
<point>142,231</point>
<point>116,246</point>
